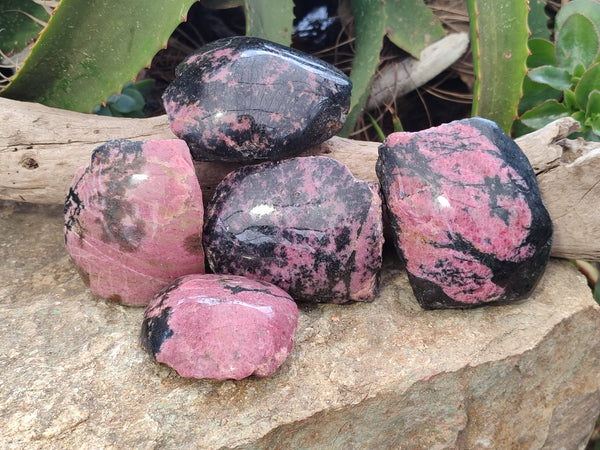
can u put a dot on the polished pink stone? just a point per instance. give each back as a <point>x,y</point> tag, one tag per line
<point>304,224</point>
<point>133,219</point>
<point>243,99</point>
<point>466,214</point>
<point>220,327</point>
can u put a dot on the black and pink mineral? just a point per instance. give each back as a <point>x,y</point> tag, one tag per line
<point>466,212</point>
<point>220,327</point>
<point>248,99</point>
<point>133,219</point>
<point>304,224</point>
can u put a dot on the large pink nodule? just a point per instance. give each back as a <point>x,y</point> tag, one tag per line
<point>133,219</point>
<point>467,214</point>
<point>220,327</point>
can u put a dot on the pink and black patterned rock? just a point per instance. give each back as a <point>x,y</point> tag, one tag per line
<point>133,219</point>
<point>304,224</point>
<point>467,214</point>
<point>247,99</point>
<point>220,327</point>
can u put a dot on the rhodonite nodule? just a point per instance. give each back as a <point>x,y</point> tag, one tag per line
<point>133,219</point>
<point>220,327</point>
<point>466,212</point>
<point>247,99</point>
<point>304,224</point>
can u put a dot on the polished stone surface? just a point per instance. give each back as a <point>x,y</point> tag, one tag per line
<point>367,375</point>
<point>133,219</point>
<point>220,327</point>
<point>246,99</point>
<point>304,224</point>
<point>466,213</point>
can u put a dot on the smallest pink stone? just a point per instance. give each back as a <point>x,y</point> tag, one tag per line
<point>220,327</point>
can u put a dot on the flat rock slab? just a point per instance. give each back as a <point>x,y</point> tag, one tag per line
<point>385,374</point>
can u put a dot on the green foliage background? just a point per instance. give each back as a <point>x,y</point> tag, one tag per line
<point>89,50</point>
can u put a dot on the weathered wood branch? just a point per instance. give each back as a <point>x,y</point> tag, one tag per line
<point>41,147</point>
<point>400,78</point>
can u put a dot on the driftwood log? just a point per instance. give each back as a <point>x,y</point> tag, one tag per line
<point>399,78</point>
<point>41,147</point>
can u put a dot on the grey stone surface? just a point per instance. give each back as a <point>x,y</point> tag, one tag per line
<point>381,375</point>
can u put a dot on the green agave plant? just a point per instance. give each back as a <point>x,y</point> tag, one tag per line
<point>499,34</point>
<point>89,50</point>
<point>21,22</point>
<point>409,24</point>
<point>564,76</point>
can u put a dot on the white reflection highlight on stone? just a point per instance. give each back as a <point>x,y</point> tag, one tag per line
<point>442,201</point>
<point>261,210</point>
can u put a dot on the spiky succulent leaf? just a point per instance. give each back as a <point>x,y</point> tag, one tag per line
<point>499,44</point>
<point>90,49</point>
<point>20,23</point>
<point>538,19</point>
<point>369,22</point>
<point>270,20</point>
<point>409,24</point>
